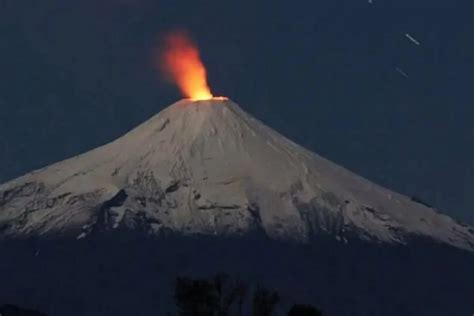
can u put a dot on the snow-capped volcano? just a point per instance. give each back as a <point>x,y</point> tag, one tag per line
<point>208,167</point>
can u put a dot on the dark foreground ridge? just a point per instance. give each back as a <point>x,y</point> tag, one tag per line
<point>130,274</point>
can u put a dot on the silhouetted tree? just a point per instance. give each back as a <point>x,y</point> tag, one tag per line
<point>264,302</point>
<point>241,289</point>
<point>12,310</point>
<point>304,310</point>
<point>227,293</point>
<point>209,297</point>
<point>195,297</point>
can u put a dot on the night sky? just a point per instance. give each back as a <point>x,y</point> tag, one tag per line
<point>77,74</point>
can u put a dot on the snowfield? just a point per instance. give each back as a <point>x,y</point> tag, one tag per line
<point>208,167</point>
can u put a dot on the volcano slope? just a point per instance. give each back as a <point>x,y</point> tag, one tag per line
<point>203,187</point>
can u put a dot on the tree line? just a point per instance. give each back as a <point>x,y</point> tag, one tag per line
<point>217,296</point>
<point>225,296</point>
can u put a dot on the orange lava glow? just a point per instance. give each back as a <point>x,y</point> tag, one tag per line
<point>181,63</point>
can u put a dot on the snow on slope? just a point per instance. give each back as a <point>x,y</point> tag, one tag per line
<point>208,167</point>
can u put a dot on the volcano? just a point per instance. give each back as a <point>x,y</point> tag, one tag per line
<point>209,168</point>
<point>204,188</point>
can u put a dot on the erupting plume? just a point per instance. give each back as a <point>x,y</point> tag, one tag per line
<point>181,63</point>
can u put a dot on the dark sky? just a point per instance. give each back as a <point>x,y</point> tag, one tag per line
<point>77,74</point>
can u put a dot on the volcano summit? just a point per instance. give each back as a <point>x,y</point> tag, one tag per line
<point>209,168</point>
